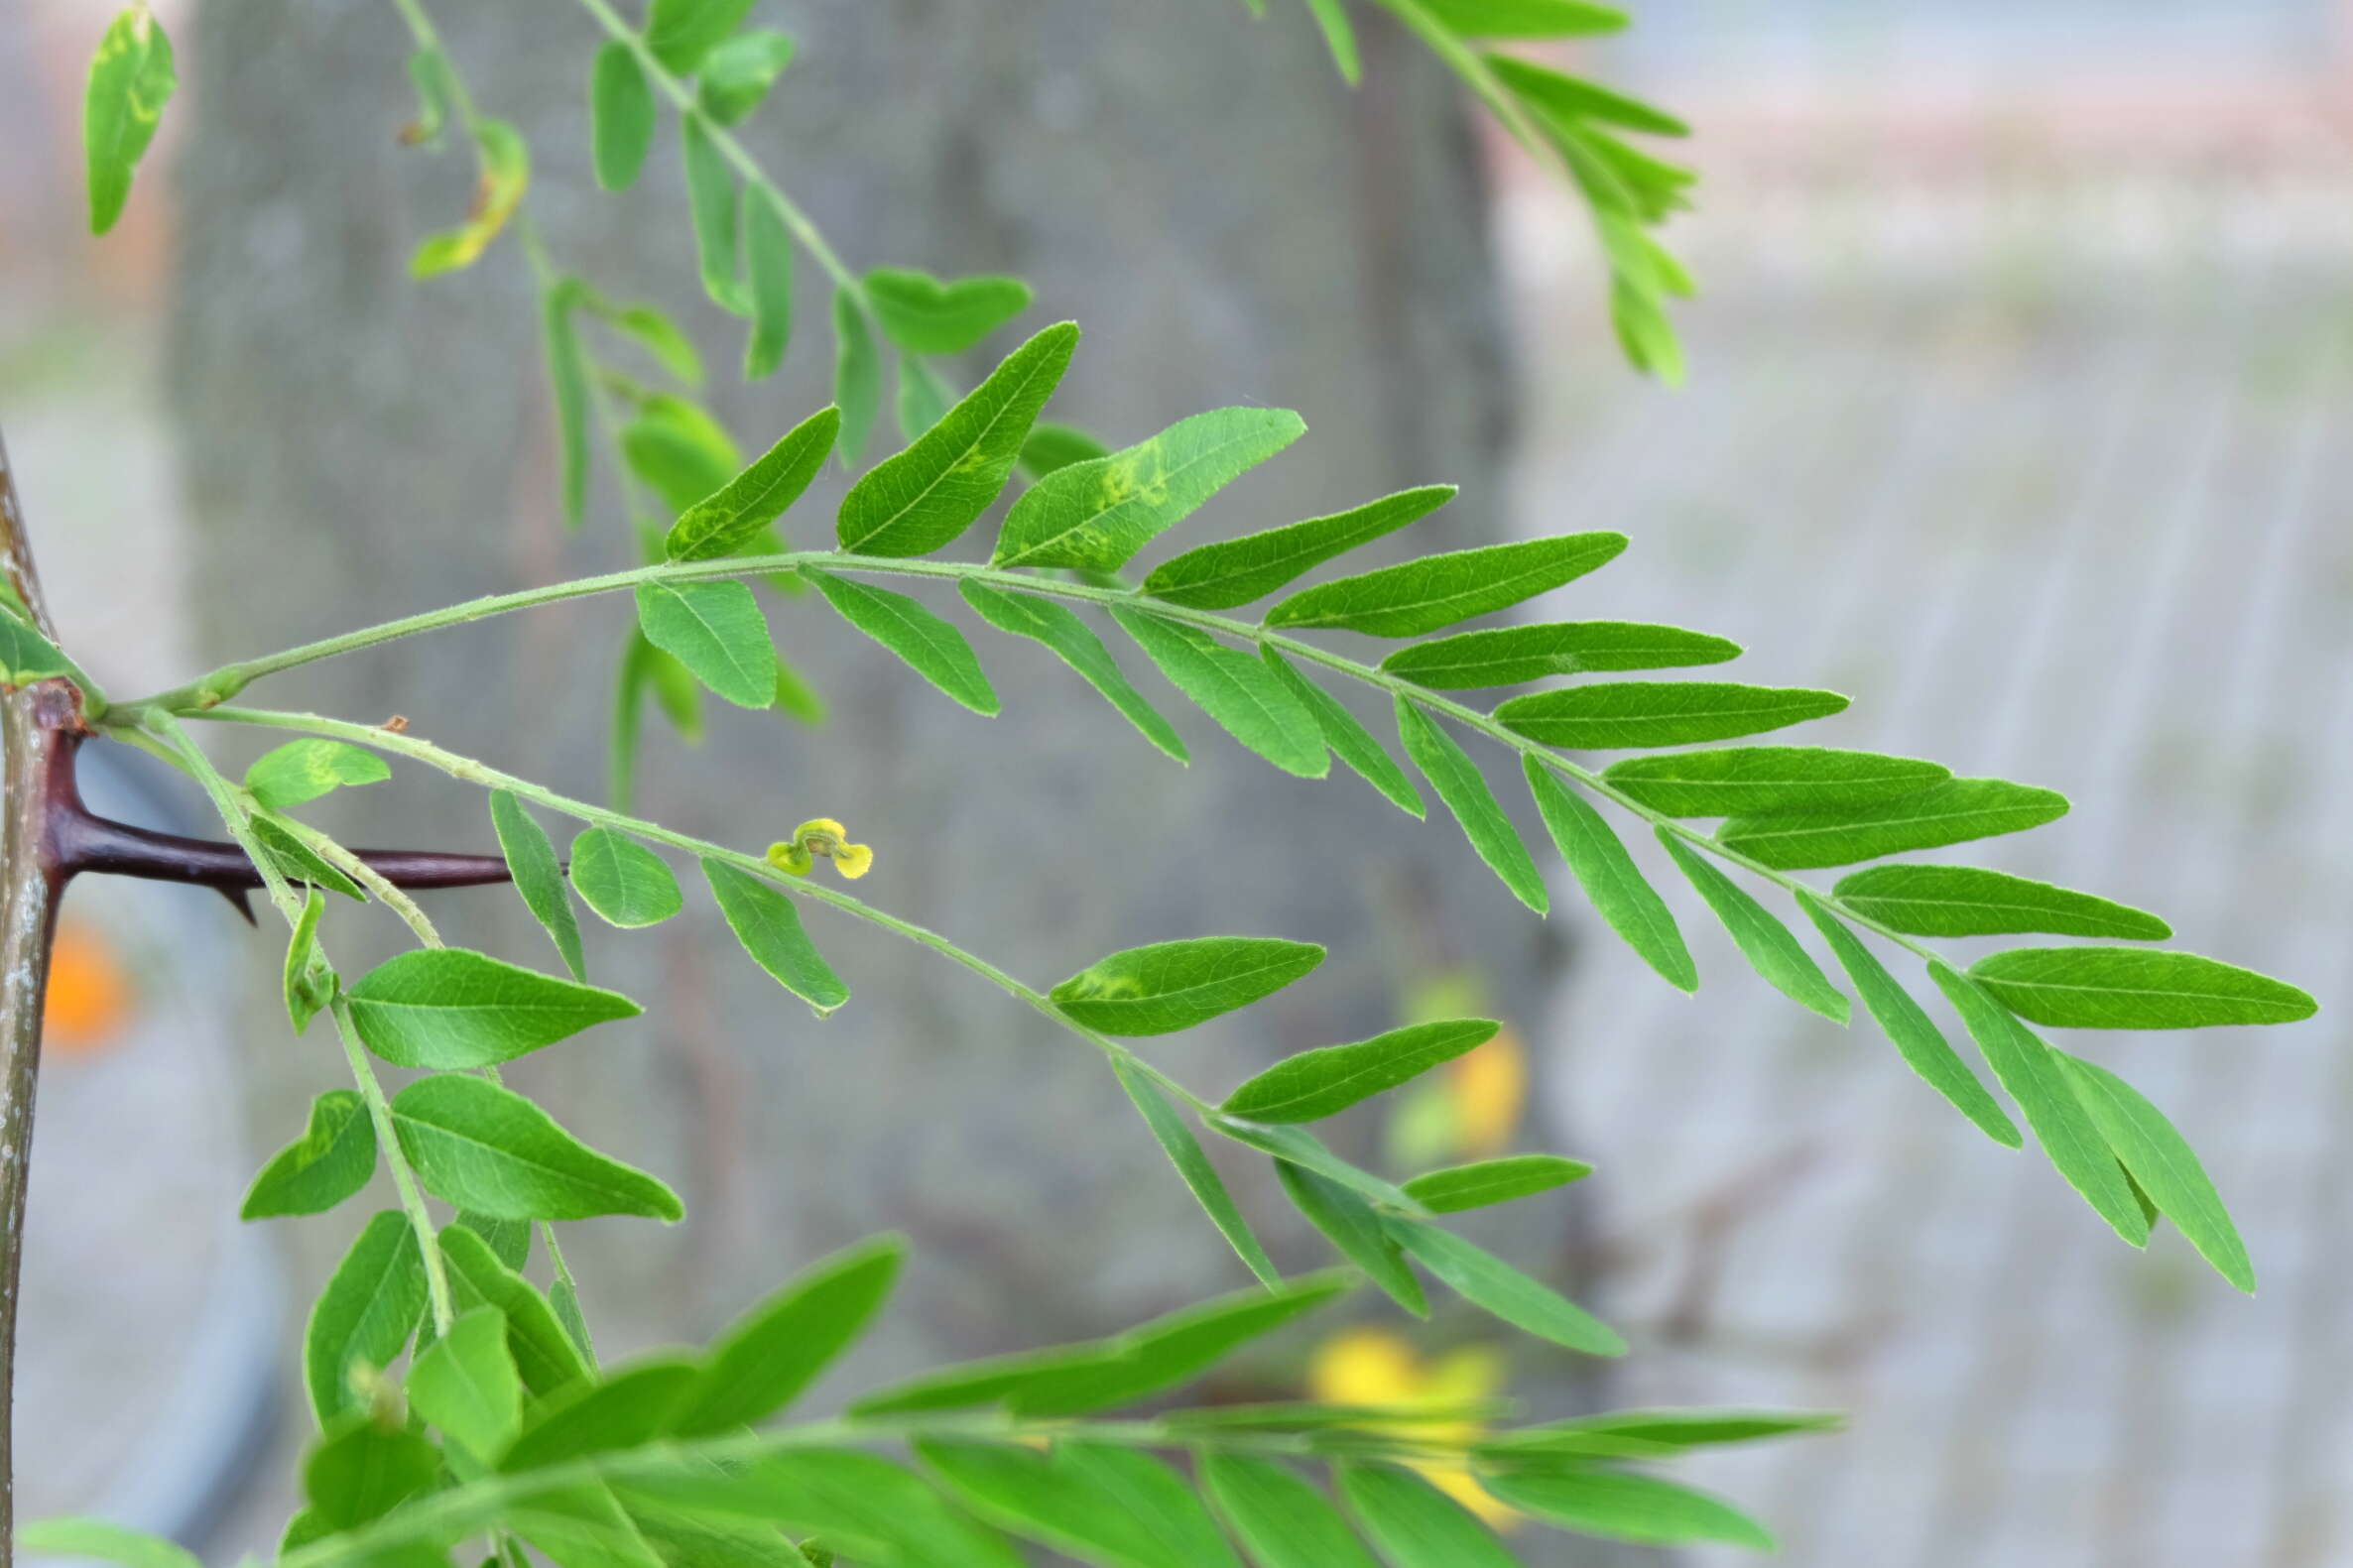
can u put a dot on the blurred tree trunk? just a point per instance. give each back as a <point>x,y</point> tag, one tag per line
<point>1230,224</point>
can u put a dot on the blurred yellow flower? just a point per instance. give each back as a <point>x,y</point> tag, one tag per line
<point>1369,1366</point>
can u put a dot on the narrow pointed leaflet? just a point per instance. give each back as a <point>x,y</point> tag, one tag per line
<point>1741,780</point>
<point>923,315</point>
<point>1346,736</point>
<point>486,1148</point>
<point>1319,1083</point>
<point>1622,714</point>
<point>1165,987</point>
<point>1463,789</point>
<point>726,521</point>
<point>1436,591</point>
<point>1619,892</point>
<point>1952,813</point>
<point>452,1007</point>
<point>927,645</point>
<point>1967,900</point>
<point>1248,700</point>
<point>2135,988</point>
<point>1763,940</point>
<point>1232,572</point>
<point>1056,627</point>
<point>1507,656</point>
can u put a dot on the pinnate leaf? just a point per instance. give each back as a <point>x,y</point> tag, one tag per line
<point>1621,1506</point>
<point>1284,1519</point>
<point>857,374</point>
<point>931,646</point>
<point>1105,1506</point>
<point>2135,988</point>
<point>1626,713</point>
<point>484,1147</point>
<point>1350,1223</point>
<point>1737,780</point>
<point>1165,987</point>
<point>1414,1524</point>
<point>1323,1082</point>
<point>452,1007</point>
<point>1434,591</point>
<point>767,265</point>
<point>330,1162</point>
<point>362,1471</point>
<point>737,74</point>
<point>715,202</point>
<point>304,979</point>
<point>620,116</point>
<point>1234,571</point>
<point>682,31</point>
<point>1347,738</point>
<point>626,1408</point>
<point>546,1357</point>
<point>2159,1159</point>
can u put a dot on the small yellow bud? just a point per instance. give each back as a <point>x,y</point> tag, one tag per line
<point>822,835</point>
<point>853,861</point>
<point>790,858</point>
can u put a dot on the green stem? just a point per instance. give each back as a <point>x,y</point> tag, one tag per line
<point>367,875</point>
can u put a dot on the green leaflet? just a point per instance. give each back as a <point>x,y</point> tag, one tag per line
<point>465,1383</point>
<point>287,775</point>
<point>1669,1428</point>
<point>452,1007</point>
<point>1339,37</point>
<point>1506,656</point>
<point>563,1299</point>
<point>1054,626</point>
<point>624,882</point>
<point>1193,1165</point>
<point>1052,446</point>
<point>769,928</point>
<point>737,74</point>
<point>296,861</point>
<point>429,75</point>
<point>1108,1505</point>
<point>768,264</point>
<point>131,79</point>
<point>503,160</point>
<point>1165,987</point>
<point>715,202</point>
<point>1096,515</point>
<point>1349,739</point>
<point>2134,988</point>
<point>1621,1506</point>
<point>486,1148</point>
<point>1284,1521</point>
<point>1493,1285</point>
<point>104,1541</point>
<point>2030,1070</point>
<point>1569,98</point>
<point>922,499</point>
<point>330,1162</point>
<point>26,656</point>
<point>1966,901</point>
<point>1414,1524</point>
<point>1948,813</point>
<point>1619,892</point>
<point>371,1303</point>
<point>715,628</point>
<point>362,1472</point>
<point>1234,571</point>
<point>682,31</point>
<point>1909,1027</point>
<point>509,1240</point>
<point>1752,779</point>
<point>680,451</point>
<point>1763,940</point>
<point>725,522</point>
<point>767,1356</point>
<point>923,315</point>
<point>1489,1182</point>
<point>1323,1082</point>
<point>1433,591</point>
<point>931,646</point>
<point>1350,1223</point>
<point>2162,1162</point>
<point>1525,17</point>
<point>568,387</point>
<point>857,375</point>
<point>1249,702</point>
<point>545,1356</point>
<point>538,876</point>
<point>1626,713</point>
<point>630,1406</point>
<point>853,1499</point>
<point>657,334</point>
<point>620,116</point>
<point>1459,783</point>
<point>307,982</point>
<point>582,1524</point>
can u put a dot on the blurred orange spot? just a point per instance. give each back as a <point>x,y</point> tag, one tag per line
<point>1369,1366</point>
<point>1490,1094</point>
<point>90,991</point>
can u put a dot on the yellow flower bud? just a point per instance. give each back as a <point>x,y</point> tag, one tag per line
<point>788,858</point>
<point>822,835</point>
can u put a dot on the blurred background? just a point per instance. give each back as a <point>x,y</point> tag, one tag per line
<point>2016,408</point>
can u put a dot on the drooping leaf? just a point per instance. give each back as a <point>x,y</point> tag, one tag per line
<point>737,74</point>
<point>287,775</point>
<point>1463,789</point>
<point>1107,1505</point>
<point>509,1241</point>
<point>857,375</point>
<point>624,882</point>
<point>581,1527</point>
<point>1193,1165</point>
<point>1339,37</point>
<point>1909,1027</point>
<point>503,174</point>
<point>1619,892</point>
<point>1234,571</point>
<point>484,1147</point>
<point>1054,626</point>
<point>715,628</point>
<point>1434,591</point>
<point>26,656</point>
<point>465,1383</point>
<point>767,1356</point>
<point>678,450</point>
<point>725,522</point>
<point>429,75</point>
<point>372,1302</point>
<point>1414,1524</point>
<point>104,1541</point>
<point>930,646</point>
<point>1672,1428</point>
<point>131,79</point>
<point>2030,1071</point>
<point>1248,700</point>
<point>657,334</point>
<point>1737,780</point>
<point>1967,900</point>
<point>922,401</point>
<point>1323,1082</point>
<point>1525,17</point>
<point>568,389</point>
<point>1489,1182</point>
<point>1951,812</point>
<point>767,264</point>
<point>1165,987</point>
<point>2161,1164</point>
<point>1763,940</point>
<point>330,1162</point>
<point>1295,1145</point>
<point>1346,736</point>
<point>1621,1506</point>
<point>1096,515</point>
<point>629,1406</point>
<point>452,1007</point>
<point>922,499</point>
<point>546,1357</point>
<point>563,1299</point>
<point>1506,656</point>
<point>1626,713</point>
<point>1350,1223</point>
<point>2134,988</point>
<point>1052,446</point>
<point>714,202</point>
<point>769,928</point>
<point>1560,96</point>
<point>924,315</point>
<point>296,861</point>
<point>620,116</point>
<point>538,877</point>
<point>858,1501</point>
<point>682,31</point>
<point>1495,1286</point>
<point>362,1471</point>
<point>1286,1522</point>
<point>307,982</point>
